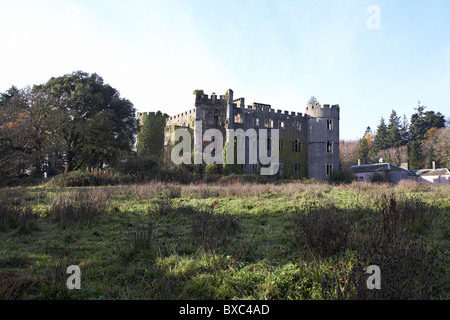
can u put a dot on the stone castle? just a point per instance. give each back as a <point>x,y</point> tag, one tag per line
<point>309,142</point>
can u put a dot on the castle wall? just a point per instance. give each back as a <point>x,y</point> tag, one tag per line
<point>318,143</point>
<point>291,125</point>
<point>320,153</point>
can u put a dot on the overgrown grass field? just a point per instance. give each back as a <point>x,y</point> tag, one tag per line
<point>237,241</point>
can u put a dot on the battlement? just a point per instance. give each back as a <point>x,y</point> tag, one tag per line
<point>325,111</point>
<point>325,106</point>
<point>267,110</point>
<point>190,113</point>
<point>209,100</point>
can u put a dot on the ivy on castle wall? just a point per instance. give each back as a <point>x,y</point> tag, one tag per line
<point>150,138</point>
<point>290,157</point>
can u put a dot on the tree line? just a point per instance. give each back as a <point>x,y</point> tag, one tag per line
<point>68,123</point>
<point>418,141</point>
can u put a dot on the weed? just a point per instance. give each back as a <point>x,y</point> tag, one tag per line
<point>15,285</point>
<point>79,207</point>
<point>324,229</point>
<point>161,207</point>
<point>210,229</point>
<point>13,216</point>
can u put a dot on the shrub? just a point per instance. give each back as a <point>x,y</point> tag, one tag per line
<point>323,229</point>
<point>89,178</point>
<point>13,216</point>
<point>210,229</point>
<point>342,177</point>
<point>73,179</point>
<point>377,178</point>
<point>212,169</point>
<point>163,206</point>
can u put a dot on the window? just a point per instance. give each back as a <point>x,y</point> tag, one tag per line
<point>296,145</point>
<point>296,168</point>
<point>281,145</point>
<point>256,122</point>
<point>329,146</point>
<point>297,125</point>
<point>218,121</point>
<point>329,169</point>
<point>280,124</point>
<point>269,143</point>
<point>238,118</point>
<point>268,123</point>
<point>254,168</point>
<point>329,124</point>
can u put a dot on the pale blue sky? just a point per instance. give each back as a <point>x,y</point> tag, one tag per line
<point>276,52</point>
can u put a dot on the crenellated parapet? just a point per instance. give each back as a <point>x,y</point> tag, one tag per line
<point>325,111</point>
<point>204,99</point>
<point>266,110</point>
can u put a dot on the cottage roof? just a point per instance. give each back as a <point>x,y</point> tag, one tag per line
<point>431,172</point>
<point>379,167</point>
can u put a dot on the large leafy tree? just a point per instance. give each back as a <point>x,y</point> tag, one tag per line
<point>97,124</point>
<point>27,124</point>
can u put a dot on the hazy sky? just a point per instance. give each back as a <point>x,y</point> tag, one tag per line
<point>367,56</point>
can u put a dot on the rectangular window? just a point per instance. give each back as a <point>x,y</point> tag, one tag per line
<point>256,122</point>
<point>268,123</point>
<point>329,169</point>
<point>296,168</point>
<point>297,125</point>
<point>238,118</point>
<point>269,143</point>
<point>218,121</point>
<point>296,145</point>
<point>329,124</point>
<point>329,146</point>
<point>280,124</point>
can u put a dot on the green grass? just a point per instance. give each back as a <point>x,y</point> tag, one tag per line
<point>285,241</point>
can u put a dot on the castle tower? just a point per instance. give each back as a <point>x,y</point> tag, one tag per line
<point>323,140</point>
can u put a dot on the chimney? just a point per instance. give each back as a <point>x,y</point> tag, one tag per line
<point>361,162</point>
<point>405,165</point>
<point>434,165</point>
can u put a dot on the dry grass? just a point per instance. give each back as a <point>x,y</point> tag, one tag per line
<point>14,284</point>
<point>80,207</point>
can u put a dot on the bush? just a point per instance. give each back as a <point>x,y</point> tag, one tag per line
<point>324,230</point>
<point>212,169</point>
<point>13,216</point>
<point>210,229</point>
<point>342,177</point>
<point>89,178</point>
<point>163,206</point>
<point>377,178</point>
